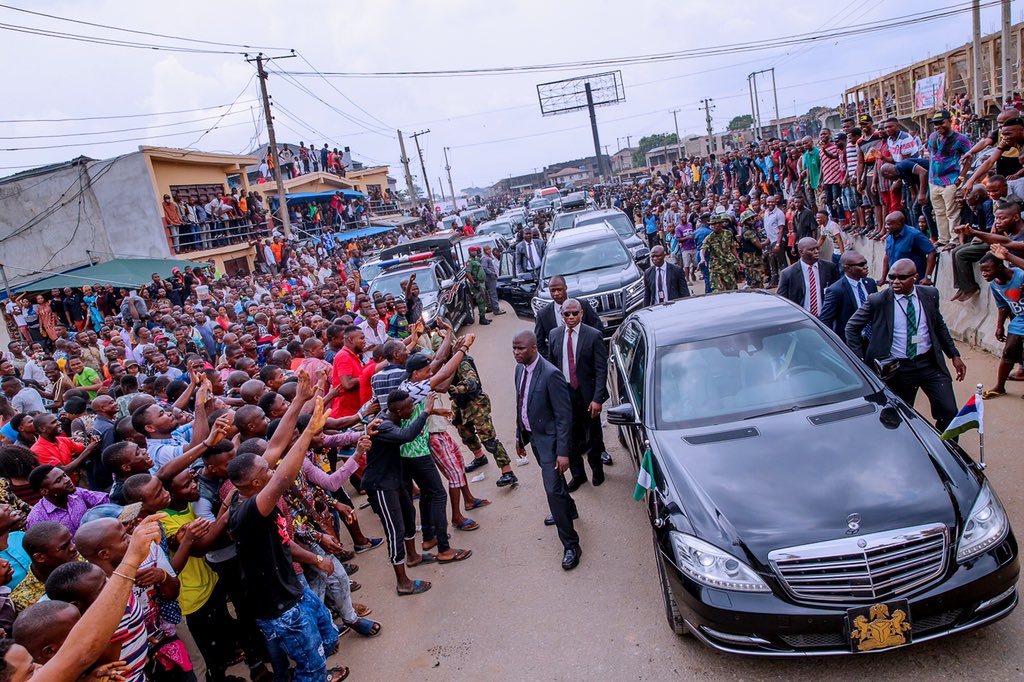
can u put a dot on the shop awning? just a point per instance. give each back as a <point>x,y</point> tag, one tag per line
<point>303,197</point>
<point>120,272</point>
<point>363,232</point>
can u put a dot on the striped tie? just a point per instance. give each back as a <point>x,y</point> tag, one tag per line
<point>813,293</point>
<point>911,329</point>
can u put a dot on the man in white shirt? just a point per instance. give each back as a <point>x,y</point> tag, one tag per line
<point>375,330</point>
<point>775,229</point>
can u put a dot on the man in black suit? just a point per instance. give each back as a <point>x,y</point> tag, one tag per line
<point>663,282</point>
<point>529,252</point>
<point>906,324</point>
<point>847,294</point>
<point>544,420</point>
<point>805,281</point>
<point>550,316</point>
<point>579,352</point>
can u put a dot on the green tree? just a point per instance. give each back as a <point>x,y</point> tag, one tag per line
<point>648,143</point>
<point>742,122</point>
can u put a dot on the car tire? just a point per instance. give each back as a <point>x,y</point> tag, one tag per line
<point>675,619</point>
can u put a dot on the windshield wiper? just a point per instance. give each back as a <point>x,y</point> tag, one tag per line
<point>784,410</point>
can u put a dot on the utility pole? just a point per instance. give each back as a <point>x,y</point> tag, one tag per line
<point>753,112</point>
<point>451,187</point>
<point>679,151</point>
<point>286,224</point>
<point>408,175</point>
<point>1004,53</point>
<point>441,186</point>
<point>423,167</point>
<point>775,93</point>
<point>757,104</point>
<point>976,55</point>
<point>708,106</point>
<point>601,170</point>
<point>627,141</point>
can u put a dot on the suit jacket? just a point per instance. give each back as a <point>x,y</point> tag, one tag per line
<point>546,322</point>
<point>791,281</point>
<point>841,303</point>
<point>675,283</point>
<point>549,409</point>
<point>522,262</point>
<point>591,363</point>
<point>880,310</point>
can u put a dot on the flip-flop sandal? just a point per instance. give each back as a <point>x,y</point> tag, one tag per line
<point>337,674</point>
<point>418,587</point>
<point>366,627</point>
<point>346,555</point>
<point>425,558</point>
<point>990,394</point>
<point>351,568</point>
<point>467,524</point>
<point>362,610</point>
<point>353,586</point>
<point>480,502</point>
<point>460,555</point>
<point>373,544</point>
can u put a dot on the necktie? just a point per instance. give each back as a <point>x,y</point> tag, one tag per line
<point>661,288</point>
<point>521,400</point>
<point>862,296</point>
<point>911,329</point>
<point>529,252</point>
<point>571,360</point>
<point>813,292</point>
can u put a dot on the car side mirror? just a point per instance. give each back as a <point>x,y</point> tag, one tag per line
<point>447,283</point>
<point>622,415</point>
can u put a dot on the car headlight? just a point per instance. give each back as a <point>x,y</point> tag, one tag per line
<point>986,526</point>
<point>714,567</point>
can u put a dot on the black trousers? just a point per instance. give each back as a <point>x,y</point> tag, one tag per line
<point>214,631</point>
<point>582,430</point>
<point>560,502</point>
<point>397,517</point>
<point>433,498</point>
<point>925,374</point>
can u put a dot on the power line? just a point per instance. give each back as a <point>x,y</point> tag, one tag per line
<point>110,42</point>
<point>127,139</point>
<point>107,118</point>
<point>241,92</point>
<point>692,53</point>
<point>143,33</point>
<point>119,130</point>
<point>347,98</point>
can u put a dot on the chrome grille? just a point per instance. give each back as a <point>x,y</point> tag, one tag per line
<point>606,302</point>
<point>863,568</point>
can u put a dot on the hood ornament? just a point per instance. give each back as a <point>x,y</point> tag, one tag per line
<point>853,524</point>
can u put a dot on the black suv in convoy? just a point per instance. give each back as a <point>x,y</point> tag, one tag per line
<point>797,506</point>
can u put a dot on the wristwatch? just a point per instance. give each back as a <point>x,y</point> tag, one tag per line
<point>319,559</point>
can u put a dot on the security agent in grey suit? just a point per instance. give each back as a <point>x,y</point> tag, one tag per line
<point>529,252</point>
<point>907,328</point>
<point>791,280</point>
<point>587,375</point>
<point>544,420</point>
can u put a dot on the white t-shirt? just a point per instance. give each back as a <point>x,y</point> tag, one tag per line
<point>14,311</point>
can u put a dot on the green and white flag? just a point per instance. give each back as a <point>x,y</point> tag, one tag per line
<point>644,479</point>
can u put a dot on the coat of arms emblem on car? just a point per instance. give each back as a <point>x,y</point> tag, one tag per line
<point>881,631</point>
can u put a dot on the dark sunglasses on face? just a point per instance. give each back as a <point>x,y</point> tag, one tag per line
<point>861,264</point>
<point>900,277</point>
<point>571,313</point>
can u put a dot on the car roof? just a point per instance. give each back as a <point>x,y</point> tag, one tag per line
<point>712,315</point>
<point>577,235</point>
<point>599,213</point>
<point>402,267</point>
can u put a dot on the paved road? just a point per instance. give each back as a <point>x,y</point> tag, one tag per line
<point>511,612</point>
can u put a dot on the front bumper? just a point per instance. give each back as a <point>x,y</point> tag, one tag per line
<point>762,624</point>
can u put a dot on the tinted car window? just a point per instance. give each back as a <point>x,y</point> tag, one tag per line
<point>596,255</point>
<point>751,373</point>
<point>637,374</point>
<point>391,283</point>
<point>622,225</point>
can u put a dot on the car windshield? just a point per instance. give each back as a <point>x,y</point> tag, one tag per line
<point>750,374</point>
<point>563,221</point>
<point>391,282</point>
<point>369,271</point>
<point>622,225</point>
<point>595,255</point>
<point>502,228</point>
<point>540,203</point>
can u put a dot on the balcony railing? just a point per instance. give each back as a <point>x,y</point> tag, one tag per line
<point>190,237</point>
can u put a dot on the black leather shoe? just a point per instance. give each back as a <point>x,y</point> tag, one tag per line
<point>606,459</point>
<point>575,484</point>
<point>549,520</point>
<point>571,558</point>
<point>597,478</point>
<point>476,464</point>
<point>484,321</point>
<point>507,479</point>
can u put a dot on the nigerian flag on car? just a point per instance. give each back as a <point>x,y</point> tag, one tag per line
<point>645,479</point>
<point>971,416</point>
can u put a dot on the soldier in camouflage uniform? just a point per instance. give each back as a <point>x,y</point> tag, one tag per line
<point>471,409</point>
<point>752,240</point>
<point>720,247</point>
<point>477,279</point>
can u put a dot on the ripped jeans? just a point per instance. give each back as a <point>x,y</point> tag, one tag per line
<point>306,634</point>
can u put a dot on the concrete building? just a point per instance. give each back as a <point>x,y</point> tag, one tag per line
<point>571,176</point>
<point>623,159</point>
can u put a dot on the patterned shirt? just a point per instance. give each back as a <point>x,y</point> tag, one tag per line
<point>419,446</point>
<point>79,502</point>
<point>131,635</point>
<point>945,153</point>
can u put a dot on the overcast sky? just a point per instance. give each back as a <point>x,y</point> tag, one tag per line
<point>491,123</point>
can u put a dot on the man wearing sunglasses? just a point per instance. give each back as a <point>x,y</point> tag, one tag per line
<point>850,292</point>
<point>907,326</point>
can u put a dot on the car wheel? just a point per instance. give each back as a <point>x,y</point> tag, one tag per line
<point>675,619</point>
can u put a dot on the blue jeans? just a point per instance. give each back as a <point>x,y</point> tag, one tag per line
<point>306,634</point>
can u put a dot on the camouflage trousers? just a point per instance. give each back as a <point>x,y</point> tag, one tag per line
<point>754,264</point>
<point>479,295</point>
<point>477,430</point>
<point>723,278</point>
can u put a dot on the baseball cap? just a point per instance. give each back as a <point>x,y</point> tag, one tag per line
<point>841,136</point>
<point>865,118</point>
<point>416,362</point>
<point>474,249</point>
<point>941,115</point>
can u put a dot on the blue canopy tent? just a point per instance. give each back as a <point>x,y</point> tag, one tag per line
<point>316,197</point>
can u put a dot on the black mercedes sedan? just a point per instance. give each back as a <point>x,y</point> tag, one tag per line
<point>798,507</point>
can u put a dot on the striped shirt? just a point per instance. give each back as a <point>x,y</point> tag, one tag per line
<point>131,635</point>
<point>851,159</point>
<point>831,169</point>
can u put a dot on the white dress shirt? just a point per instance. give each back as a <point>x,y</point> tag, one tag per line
<point>575,351</point>
<point>810,291</point>
<point>854,284</point>
<point>559,320</point>
<point>773,222</point>
<point>899,326</point>
<point>531,256</point>
<point>525,383</point>
<point>661,284</point>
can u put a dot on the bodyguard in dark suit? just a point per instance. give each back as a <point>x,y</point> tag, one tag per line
<point>529,252</point>
<point>906,324</point>
<point>550,316</point>
<point>544,420</point>
<point>848,293</point>
<point>578,351</point>
<point>794,280</point>
<point>663,282</point>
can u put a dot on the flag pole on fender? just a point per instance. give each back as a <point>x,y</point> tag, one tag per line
<point>645,477</point>
<point>970,416</point>
<point>981,425</point>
